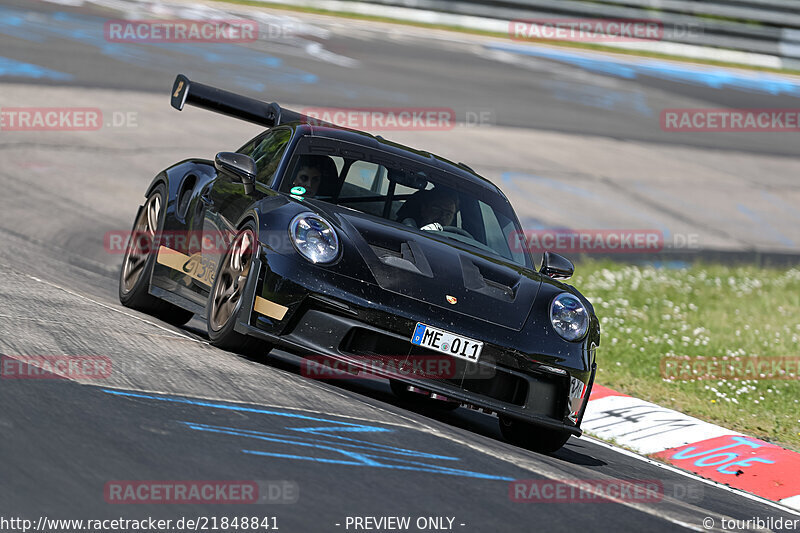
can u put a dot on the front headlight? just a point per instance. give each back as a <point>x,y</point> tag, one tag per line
<point>569,317</point>
<point>314,238</point>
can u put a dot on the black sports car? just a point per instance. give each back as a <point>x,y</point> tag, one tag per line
<point>339,245</point>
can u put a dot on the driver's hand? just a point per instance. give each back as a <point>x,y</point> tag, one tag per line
<point>433,226</point>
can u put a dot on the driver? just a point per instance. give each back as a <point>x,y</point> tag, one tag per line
<point>311,171</point>
<point>431,209</point>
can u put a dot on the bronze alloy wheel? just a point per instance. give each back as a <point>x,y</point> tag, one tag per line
<point>231,280</point>
<point>140,259</point>
<point>141,243</point>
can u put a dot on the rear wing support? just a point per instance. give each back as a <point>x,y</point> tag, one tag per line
<point>185,91</point>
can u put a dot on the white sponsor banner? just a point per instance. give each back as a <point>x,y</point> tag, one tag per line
<point>644,426</point>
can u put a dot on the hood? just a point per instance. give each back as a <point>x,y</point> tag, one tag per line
<point>438,271</point>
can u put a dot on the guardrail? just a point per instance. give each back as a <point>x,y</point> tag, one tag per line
<point>766,27</point>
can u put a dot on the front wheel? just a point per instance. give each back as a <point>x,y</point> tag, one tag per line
<point>225,298</point>
<point>532,437</point>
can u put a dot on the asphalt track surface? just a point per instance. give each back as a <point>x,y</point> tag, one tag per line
<point>174,408</point>
<point>327,63</point>
<point>573,138</point>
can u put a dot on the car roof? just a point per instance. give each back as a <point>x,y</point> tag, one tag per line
<point>376,141</point>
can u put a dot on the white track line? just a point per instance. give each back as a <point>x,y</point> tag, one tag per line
<point>101,304</point>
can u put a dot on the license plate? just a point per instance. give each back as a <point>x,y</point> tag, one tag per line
<point>446,342</point>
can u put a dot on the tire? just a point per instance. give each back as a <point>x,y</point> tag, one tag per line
<point>399,390</point>
<point>225,297</point>
<point>532,437</point>
<point>139,260</point>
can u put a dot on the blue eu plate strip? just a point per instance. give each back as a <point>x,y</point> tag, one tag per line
<point>419,331</point>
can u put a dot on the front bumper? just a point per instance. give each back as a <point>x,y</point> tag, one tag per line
<point>342,319</point>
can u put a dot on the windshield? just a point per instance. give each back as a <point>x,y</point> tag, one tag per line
<point>418,196</point>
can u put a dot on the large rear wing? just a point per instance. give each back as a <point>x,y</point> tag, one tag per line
<point>234,105</point>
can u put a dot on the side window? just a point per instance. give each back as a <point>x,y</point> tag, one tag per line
<point>365,177</point>
<point>267,153</point>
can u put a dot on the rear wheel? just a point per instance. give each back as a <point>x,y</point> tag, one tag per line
<point>532,437</point>
<point>139,259</point>
<point>225,299</point>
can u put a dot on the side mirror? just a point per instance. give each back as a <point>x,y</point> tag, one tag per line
<point>556,266</point>
<point>240,167</point>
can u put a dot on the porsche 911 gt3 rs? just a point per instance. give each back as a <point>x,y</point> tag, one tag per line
<point>335,243</point>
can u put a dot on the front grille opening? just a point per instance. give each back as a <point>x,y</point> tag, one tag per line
<point>503,387</point>
<point>392,350</point>
<point>360,341</point>
<point>548,395</point>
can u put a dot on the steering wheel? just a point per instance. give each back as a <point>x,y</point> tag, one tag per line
<point>456,229</point>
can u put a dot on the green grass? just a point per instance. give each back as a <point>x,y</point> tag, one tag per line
<point>503,35</point>
<point>647,314</point>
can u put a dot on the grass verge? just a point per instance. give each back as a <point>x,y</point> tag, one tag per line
<point>648,314</point>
